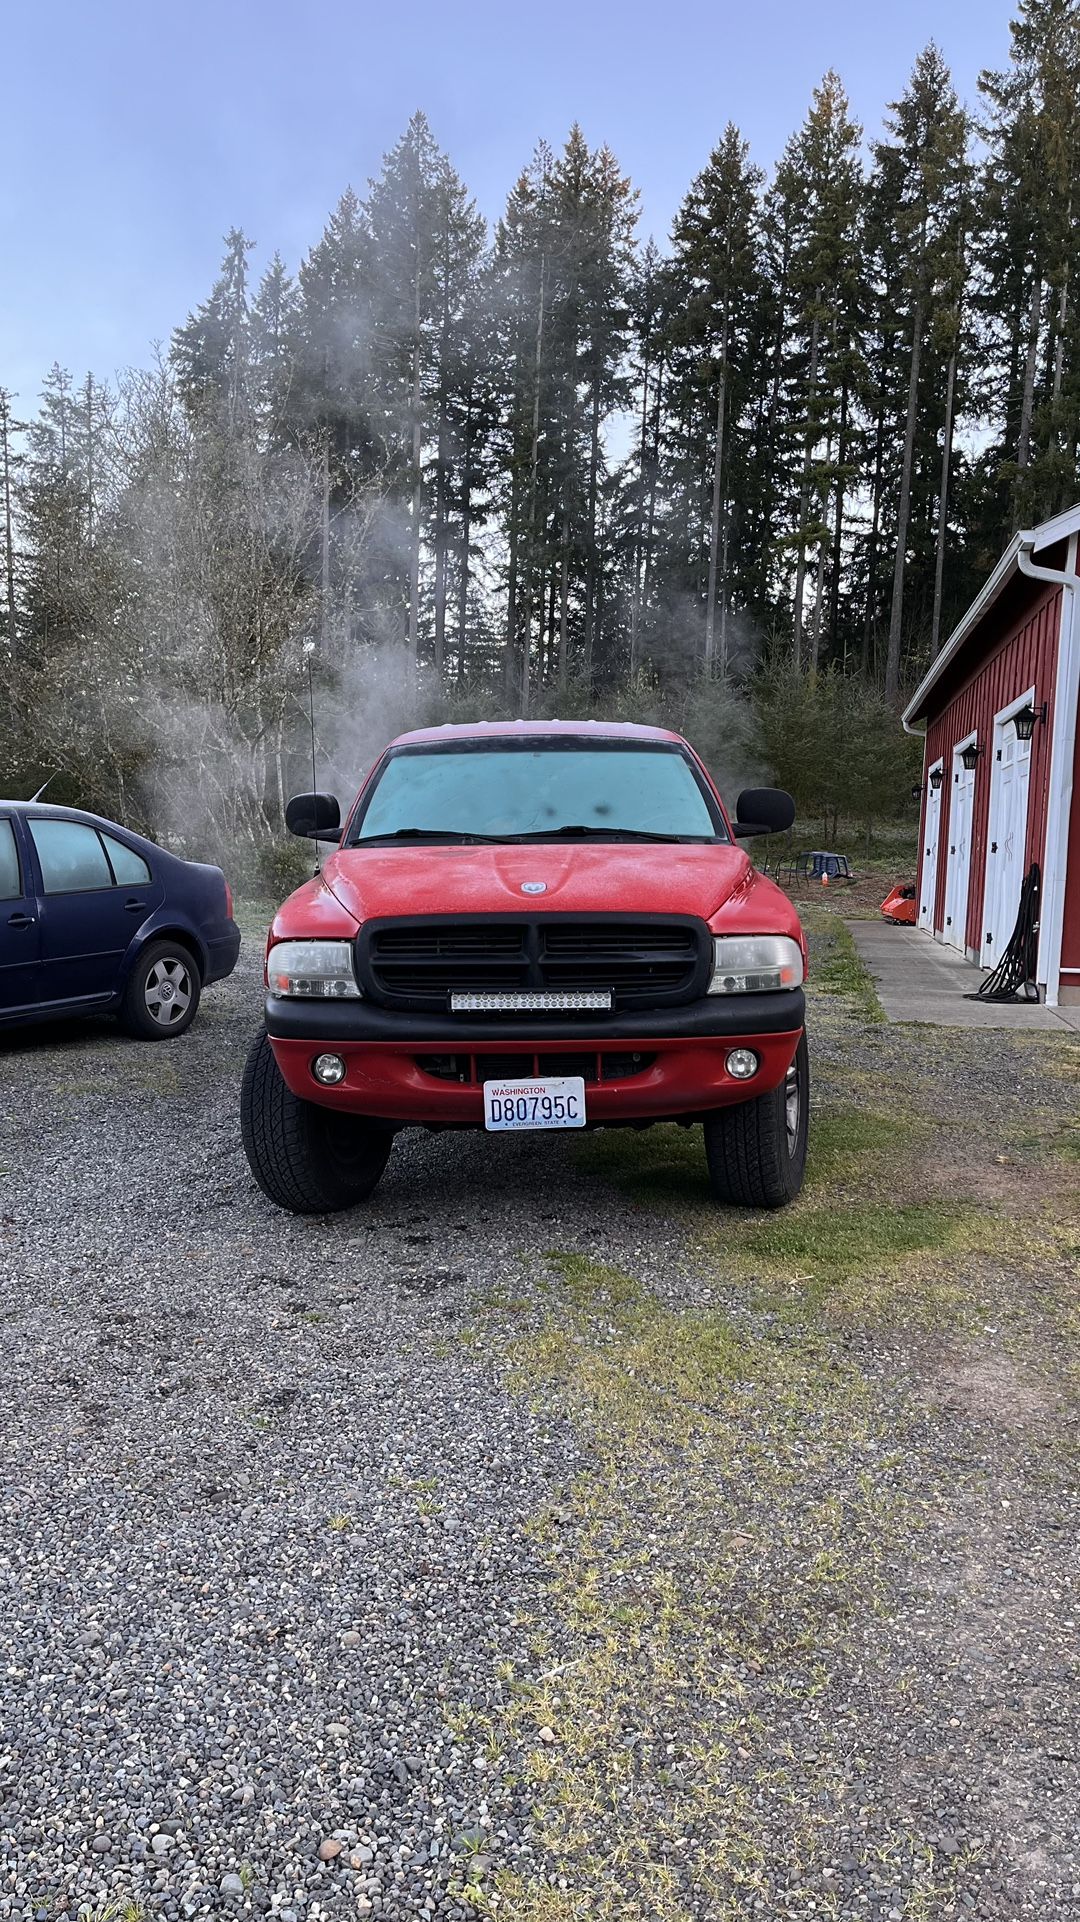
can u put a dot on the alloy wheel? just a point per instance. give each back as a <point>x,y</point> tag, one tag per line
<point>167,992</point>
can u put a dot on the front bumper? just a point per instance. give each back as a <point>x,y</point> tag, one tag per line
<point>685,1050</point>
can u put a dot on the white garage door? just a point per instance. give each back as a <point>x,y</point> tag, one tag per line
<point>1006,840</point>
<point>931,835</point>
<point>958,858</point>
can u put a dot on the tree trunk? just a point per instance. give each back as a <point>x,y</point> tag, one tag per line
<point>417,500</point>
<point>943,509</point>
<point>819,593</point>
<point>714,527</point>
<point>466,541</point>
<point>1027,399</point>
<point>9,539</point>
<point>91,475</point>
<point>442,465</point>
<point>838,525</point>
<point>724,598</point>
<point>804,496</point>
<point>875,517</point>
<point>654,481</point>
<point>534,480</point>
<point>896,614</point>
<point>324,544</point>
<point>417,450</point>
<point>564,597</point>
<point>639,537</point>
<point>590,561</point>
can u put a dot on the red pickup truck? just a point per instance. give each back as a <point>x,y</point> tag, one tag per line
<point>531,925</point>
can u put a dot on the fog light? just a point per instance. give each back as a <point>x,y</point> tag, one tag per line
<point>742,1063</point>
<point>329,1069</point>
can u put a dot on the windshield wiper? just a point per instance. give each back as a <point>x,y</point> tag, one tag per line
<point>452,835</point>
<point>575,830</point>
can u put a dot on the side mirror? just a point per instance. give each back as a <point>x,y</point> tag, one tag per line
<point>315,817</point>
<point>763,810</point>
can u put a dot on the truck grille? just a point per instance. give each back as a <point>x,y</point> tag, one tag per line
<point>644,962</point>
<point>475,1069</point>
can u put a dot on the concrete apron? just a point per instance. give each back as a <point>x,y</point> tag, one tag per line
<point>917,979</point>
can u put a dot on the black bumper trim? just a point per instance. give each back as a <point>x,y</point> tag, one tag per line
<point>713,1016</point>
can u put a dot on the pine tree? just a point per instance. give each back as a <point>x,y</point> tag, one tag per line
<point>716,297</point>
<point>1030,197</point>
<point>922,193</point>
<point>212,350</point>
<point>817,205</point>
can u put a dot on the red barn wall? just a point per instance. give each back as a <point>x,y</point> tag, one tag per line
<point>1025,655</point>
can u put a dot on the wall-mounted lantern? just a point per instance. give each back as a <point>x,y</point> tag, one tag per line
<point>1024,721</point>
<point>917,792</point>
<point>970,754</point>
<point>936,778</point>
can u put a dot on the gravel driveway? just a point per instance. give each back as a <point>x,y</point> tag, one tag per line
<point>322,1580</point>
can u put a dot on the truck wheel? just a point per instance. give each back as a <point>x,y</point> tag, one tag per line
<point>162,994</point>
<point>308,1159</point>
<point>757,1151</point>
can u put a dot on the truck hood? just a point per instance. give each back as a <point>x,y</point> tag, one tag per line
<point>637,877</point>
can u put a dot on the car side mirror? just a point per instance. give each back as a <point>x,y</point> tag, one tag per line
<point>315,817</point>
<point>763,810</point>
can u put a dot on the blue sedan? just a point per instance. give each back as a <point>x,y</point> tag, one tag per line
<point>97,920</point>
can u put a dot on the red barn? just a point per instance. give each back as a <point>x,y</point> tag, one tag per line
<point>1001,770</point>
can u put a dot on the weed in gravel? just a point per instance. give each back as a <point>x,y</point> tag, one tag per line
<point>117,1909</point>
<point>339,1524</point>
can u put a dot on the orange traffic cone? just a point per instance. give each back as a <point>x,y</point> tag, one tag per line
<point>824,880</point>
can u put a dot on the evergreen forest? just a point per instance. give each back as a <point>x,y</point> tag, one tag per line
<point>743,483</point>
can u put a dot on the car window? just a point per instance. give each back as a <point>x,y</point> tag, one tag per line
<point>71,856</point>
<point>129,868</point>
<point>10,881</point>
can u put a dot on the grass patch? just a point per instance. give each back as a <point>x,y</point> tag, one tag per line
<point>739,1511</point>
<point>840,968</point>
<point>592,1284</point>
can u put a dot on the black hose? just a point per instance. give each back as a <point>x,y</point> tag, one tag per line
<point>1015,974</point>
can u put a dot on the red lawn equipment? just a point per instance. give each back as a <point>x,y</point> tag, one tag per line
<point>899,906</point>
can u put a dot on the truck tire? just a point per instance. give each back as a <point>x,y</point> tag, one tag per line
<point>757,1151</point>
<point>161,998</point>
<point>308,1159</point>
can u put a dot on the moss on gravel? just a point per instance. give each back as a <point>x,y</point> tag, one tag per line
<point>657,1749</point>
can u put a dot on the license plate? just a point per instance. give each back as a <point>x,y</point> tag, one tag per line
<point>551,1101</point>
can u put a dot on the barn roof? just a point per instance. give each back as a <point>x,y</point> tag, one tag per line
<point>1034,540</point>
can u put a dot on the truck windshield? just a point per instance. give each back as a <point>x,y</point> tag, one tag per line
<point>538,789</point>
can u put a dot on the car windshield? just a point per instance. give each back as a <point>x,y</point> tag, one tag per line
<point>535,789</point>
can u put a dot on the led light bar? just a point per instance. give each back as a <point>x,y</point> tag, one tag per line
<point>539,1003</point>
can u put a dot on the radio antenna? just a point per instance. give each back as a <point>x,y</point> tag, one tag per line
<point>44,785</point>
<point>311,714</point>
<point>308,652</point>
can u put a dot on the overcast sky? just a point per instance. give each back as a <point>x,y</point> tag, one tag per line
<point>136,133</point>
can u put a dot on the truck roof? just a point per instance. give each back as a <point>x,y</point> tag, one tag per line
<point>489,730</point>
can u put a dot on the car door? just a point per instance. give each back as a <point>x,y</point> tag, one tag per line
<point>20,929</point>
<point>94,893</point>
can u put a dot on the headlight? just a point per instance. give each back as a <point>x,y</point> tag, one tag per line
<point>319,970</point>
<point>755,963</point>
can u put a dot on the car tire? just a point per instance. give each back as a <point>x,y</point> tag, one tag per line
<point>757,1151</point>
<point>161,998</point>
<point>306,1158</point>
